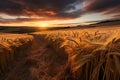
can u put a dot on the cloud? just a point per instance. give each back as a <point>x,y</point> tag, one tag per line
<point>102,6</point>
<point>56,9</point>
<point>44,8</point>
<point>11,8</point>
<point>18,20</point>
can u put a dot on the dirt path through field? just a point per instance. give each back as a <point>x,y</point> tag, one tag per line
<point>41,63</point>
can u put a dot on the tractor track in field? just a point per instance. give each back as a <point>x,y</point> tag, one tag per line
<point>40,62</point>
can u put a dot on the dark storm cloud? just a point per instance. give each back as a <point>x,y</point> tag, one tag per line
<point>11,8</point>
<point>45,8</point>
<point>103,6</point>
<point>56,9</point>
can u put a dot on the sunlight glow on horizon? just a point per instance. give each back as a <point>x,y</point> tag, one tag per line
<point>59,23</point>
<point>43,24</point>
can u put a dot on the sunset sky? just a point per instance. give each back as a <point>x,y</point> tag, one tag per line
<point>50,13</point>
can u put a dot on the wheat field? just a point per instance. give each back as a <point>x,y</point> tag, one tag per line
<point>10,46</point>
<point>92,54</point>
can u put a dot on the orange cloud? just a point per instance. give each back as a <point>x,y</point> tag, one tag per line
<point>52,13</point>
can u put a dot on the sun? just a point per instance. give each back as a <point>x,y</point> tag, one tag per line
<point>43,24</point>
